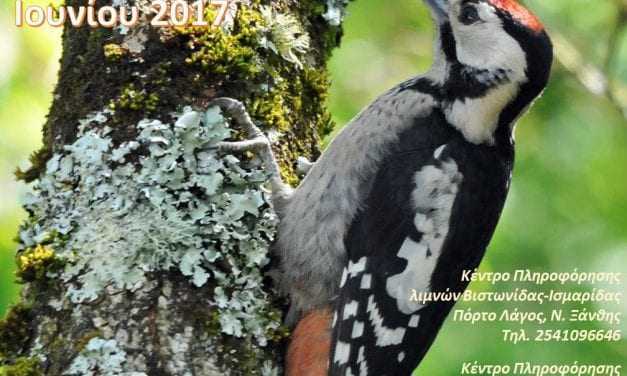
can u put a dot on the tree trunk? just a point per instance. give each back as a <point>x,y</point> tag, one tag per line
<point>146,250</point>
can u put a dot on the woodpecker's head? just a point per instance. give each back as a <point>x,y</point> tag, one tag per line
<point>497,54</point>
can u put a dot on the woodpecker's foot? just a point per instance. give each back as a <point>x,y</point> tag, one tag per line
<point>256,145</point>
<point>257,142</point>
<point>303,165</point>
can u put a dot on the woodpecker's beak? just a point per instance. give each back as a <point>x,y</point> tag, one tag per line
<point>439,9</point>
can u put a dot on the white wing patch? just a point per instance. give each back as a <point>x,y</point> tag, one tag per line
<point>438,152</point>
<point>344,277</point>
<point>355,268</point>
<point>413,277</point>
<point>436,189</point>
<point>358,329</point>
<point>350,310</point>
<point>361,360</point>
<point>342,352</point>
<point>366,282</point>
<point>414,321</point>
<point>385,336</point>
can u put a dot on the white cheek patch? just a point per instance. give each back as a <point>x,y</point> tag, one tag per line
<point>486,11</point>
<point>487,47</point>
<point>486,44</point>
<point>436,190</point>
<point>478,118</point>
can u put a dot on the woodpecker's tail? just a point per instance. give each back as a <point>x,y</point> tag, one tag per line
<point>308,352</point>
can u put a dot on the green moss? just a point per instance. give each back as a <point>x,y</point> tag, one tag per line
<point>59,352</point>
<point>22,367</point>
<point>315,88</point>
<point>330,40</point>
<point>159,75</point>
<point>135,99</point>
<point>113,52</point>
<point>299,98</point>
<point>241,355</point>
<point>312,8</point>
<point>213,58</point>
<point>84,340</point>
<point>270,109</point>
<point>15,332</point>
<point>38,162</point>
<point>279,334</point>
<point>277,91</point>
<point>235,53</point>
<point>55,237</point>
<point>212,324</point>
<point>328,36</point>
<point>33,264</point>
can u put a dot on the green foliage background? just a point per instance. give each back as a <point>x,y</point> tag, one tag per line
<point>568,205</point>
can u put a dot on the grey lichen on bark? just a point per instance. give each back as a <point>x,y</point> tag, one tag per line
<point>146,250</point>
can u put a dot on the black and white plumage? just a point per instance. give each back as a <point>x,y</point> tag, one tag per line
<point>430,215</point>
<point>439,190</point>
<point>408,195</point>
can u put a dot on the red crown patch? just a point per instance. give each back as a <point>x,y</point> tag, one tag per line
<point>519,13</point>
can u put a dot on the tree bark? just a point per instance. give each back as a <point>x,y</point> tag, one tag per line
<point>146,251</point>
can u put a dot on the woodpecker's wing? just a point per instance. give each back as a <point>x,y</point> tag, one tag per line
<point>429,215</point>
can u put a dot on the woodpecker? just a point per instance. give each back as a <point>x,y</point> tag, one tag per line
<point>407,196</point>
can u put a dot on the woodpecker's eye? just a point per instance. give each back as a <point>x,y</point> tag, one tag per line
<point>469,15</point>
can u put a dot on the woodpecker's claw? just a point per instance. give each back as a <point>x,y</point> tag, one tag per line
<point>257,142</point>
